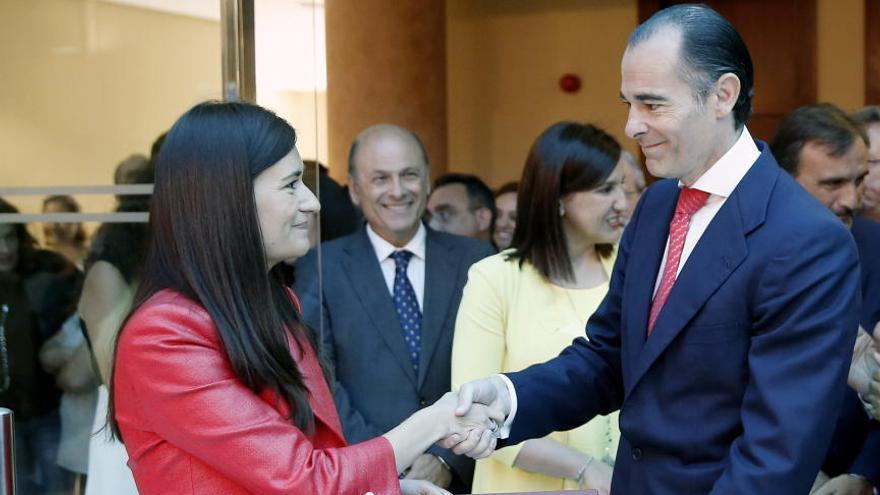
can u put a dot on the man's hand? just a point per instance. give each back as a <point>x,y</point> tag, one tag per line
<point>487,396</point>
<point>873,394</point>
<point>865,361</point>
<point>471,433</point>
<point>429,468</point>
<point>490,392</point>
<point>845,484</point>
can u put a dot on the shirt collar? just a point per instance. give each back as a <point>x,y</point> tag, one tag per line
<point>383,248</point>
<point>722,177</point>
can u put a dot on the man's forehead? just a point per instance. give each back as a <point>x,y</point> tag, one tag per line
<point>389,153</point>
<point>650,66</point>
<point>818,159</point>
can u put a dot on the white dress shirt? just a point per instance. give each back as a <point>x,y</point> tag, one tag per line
<point>415,270</point>
<point>719,181</point>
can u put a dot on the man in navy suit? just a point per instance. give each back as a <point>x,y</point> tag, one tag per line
<point>387,299</point>
<point>728,328</point>
<point>826,151</point>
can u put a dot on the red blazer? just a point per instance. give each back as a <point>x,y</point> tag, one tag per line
<point>191,427</point>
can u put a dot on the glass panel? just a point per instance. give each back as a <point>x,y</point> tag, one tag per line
<point>88,86</point>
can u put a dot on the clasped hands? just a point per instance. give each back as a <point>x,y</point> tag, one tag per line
<point>864,373</point>
<point>475,415</point>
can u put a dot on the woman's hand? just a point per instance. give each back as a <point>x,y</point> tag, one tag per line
<point>421,487</point>
<point>472,433</point>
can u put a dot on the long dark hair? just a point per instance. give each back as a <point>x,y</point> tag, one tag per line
<point>206,244</point>
<point>567,157</point>
<point>124,245</point>
<point>27,245</point>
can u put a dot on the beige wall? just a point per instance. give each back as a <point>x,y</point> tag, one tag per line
<point>840,29</point>
<point>505,58</point>
<point>87,83</point>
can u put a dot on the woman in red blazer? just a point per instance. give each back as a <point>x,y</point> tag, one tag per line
<point>216,387</point>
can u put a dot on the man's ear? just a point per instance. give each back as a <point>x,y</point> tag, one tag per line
<point>352,193</point>
<point>484,218</point>
<point>727,89</point>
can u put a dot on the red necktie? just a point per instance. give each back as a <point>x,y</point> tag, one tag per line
<point>689,201</point>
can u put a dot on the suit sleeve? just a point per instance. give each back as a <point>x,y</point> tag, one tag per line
<point>804,324</point>
<point>174,370</point>
<point>316,315</point>
<point>545,402</point>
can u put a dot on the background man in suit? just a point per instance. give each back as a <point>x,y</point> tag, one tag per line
<point>462,204</point>
<point>869,117</point>
<point>827,153</point>
<point>728,328</point>
<point>389,298</point>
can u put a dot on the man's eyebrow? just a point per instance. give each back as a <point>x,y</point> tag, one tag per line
<point>642,97</point>
<point>650,97</point>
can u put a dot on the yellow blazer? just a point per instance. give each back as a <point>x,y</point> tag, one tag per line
<point>509,319</point>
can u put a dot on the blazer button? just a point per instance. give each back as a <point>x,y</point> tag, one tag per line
<point>637,454</point>
<point>423,403</point>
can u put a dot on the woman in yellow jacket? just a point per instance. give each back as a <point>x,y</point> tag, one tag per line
<point>525,304</point>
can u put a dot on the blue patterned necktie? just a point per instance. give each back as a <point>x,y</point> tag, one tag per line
<point>407,307</point>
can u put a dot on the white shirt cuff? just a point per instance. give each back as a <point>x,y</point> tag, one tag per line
<point>504,432</point>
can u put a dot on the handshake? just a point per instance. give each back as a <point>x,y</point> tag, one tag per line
<point>473,417</point>
<point>468,422</point>
<point>864,372</point>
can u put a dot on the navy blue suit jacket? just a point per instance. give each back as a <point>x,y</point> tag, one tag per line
<point>376,387</point>
<point>737,388</point>
<point>855,447</point>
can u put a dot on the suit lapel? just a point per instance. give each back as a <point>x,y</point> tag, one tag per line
<point>440,273</point>
<point>648,246</point>
<point>365,276</point>
<point>720,250</point>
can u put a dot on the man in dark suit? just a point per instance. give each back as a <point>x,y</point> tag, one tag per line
<point>827,153</point>
<point>727,331</point>
<point>389,298</point>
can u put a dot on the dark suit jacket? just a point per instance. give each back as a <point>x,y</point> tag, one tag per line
<point>855,447</point>
<point>737,388</point>
<point>866,233</point>
<point>376,387</point>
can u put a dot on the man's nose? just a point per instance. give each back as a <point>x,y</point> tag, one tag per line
<point>849,197</point>
<point>635,124</point>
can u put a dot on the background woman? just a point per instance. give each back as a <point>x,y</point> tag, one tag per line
<point>524,305</point>
<point>38,292</point>
<point>505,222</point>
<point>217,387</point>
<point>113,270</point>
<point>65,238</point>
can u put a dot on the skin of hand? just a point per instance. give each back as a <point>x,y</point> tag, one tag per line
<point>427,467</point>
<point>845,485</point>
<point>598,477</point>
<point>552,458</point>
<point>492,394</point>
<point>437,424</point>
<point>865,361</point>
<point>821,479</point>
<point>470,432</point>
<point>421,487</point>
<point>873,395</point>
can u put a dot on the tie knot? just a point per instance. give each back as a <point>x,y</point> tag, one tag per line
<point>690,200</point>
<point>401,258</point>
